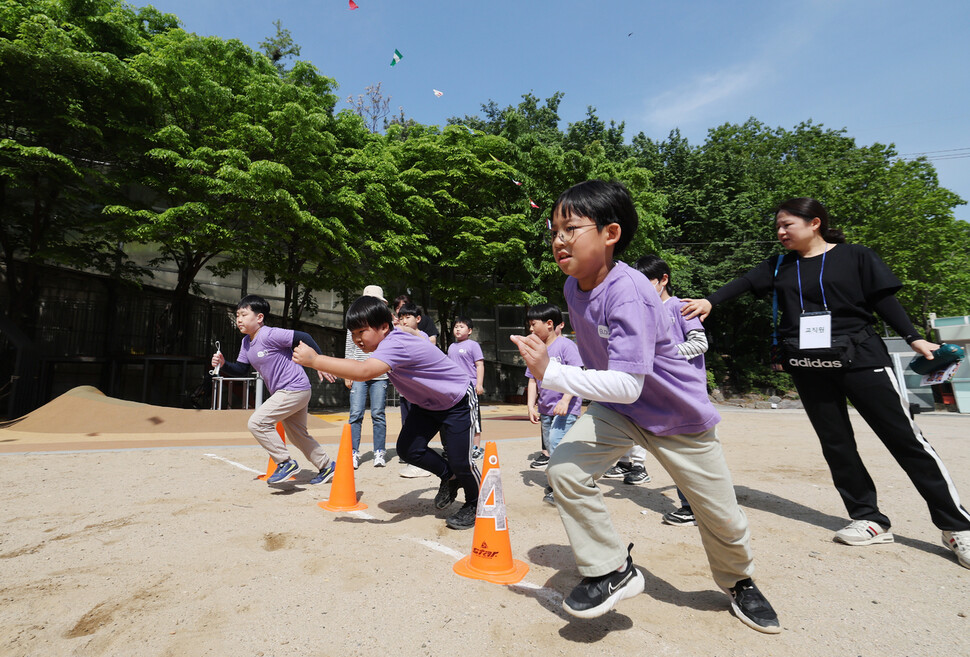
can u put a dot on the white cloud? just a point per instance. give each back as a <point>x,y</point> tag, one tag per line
<point>704,96</point>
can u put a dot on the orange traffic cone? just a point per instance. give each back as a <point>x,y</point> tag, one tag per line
<point>491,557</point>
<point>343,491</point>
<point>271,466</point>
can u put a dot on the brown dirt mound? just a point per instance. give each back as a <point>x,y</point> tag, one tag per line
<point>88,411</point>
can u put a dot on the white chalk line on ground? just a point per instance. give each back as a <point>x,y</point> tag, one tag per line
<point>238,465</point>
<point>548,594</point>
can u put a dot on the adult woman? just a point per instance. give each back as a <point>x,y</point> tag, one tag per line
<point>827,292</point>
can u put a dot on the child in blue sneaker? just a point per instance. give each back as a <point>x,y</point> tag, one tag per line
<point>555,411</point>
<point>442,399</point>
<point>643,392</point>
<point>269,350</point>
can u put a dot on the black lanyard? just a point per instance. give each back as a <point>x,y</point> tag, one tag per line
<point>798,267</point>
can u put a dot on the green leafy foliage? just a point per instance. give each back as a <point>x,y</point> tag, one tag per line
<point>118,126</point>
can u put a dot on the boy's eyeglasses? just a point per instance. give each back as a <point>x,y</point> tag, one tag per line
<point>566,235</point>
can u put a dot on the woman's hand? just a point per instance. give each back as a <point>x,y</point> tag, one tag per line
<point>924,348</point>
<point>694,307</point>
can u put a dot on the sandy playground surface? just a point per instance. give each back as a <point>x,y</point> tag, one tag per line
<point>137,530</point>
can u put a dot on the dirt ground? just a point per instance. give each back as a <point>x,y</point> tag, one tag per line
<point>138,541</point>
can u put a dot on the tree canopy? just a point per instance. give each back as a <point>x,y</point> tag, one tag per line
<point>117,126</point>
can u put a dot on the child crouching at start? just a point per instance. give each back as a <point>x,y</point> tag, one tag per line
<point>439,391</point>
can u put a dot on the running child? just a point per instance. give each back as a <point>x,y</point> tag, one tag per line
<point>467,353</point>
<point>555,411</point>
<point>269,351</point>
<point>644,392</point>
<point>442,399</point>
<point>691,342</point>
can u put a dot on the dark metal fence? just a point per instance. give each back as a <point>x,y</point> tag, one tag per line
<point>94,331</point>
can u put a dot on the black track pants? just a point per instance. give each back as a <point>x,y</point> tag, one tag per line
<point>873,392</point>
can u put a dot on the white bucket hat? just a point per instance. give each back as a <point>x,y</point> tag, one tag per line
<point>375,291</point>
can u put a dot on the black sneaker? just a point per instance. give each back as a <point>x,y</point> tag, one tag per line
<point>548,497</point>
<point>464,518</point>
<point>681,517</point>
<point>619,471</point>
<point>540,462</point>
<point>636,475</point>
<point>751,607</point>
<point>594,596</point>
<point>447,492</point>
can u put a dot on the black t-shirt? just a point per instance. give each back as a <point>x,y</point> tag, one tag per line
<point>853,279</point>
<point>428,326</point>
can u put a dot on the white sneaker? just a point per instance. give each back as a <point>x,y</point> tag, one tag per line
<point>379,459</point>
<point>413,471</point>
<point>863,532</point>
<point>356,459</point>
<point>959,542</point>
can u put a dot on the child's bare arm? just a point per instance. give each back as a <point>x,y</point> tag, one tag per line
<point>531,399</point>
<point>479,377</point>
<point>340,367</point>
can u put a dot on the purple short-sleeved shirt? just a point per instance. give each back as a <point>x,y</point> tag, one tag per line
<point>271,354</point>
<point>681,326</point>
<point>621,325</point>
<point>566,352</point>
<point>421,372</point>
<point>465,354</point>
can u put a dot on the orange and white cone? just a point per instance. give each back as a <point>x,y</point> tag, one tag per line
<point>343,491</point>
<point>491,557</point>
<point>271,466</point>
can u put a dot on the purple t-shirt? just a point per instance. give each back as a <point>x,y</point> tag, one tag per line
<point>680,326</point>
<point>271,354</point>
<point>566,352</point>
<point>421,372</point>
<point>621,325</point>
<point>465,354</point>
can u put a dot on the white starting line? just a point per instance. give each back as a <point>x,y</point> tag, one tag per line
<point>238,465</point>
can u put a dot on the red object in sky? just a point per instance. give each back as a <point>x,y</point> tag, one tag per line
<point>353,5</point>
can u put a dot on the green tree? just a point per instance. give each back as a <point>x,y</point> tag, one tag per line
<point>470,213</point>
<point>71,117</point>
<point>722,196</point>
<point>303,244</point>
<point>207,165</point>
<point>280,46</point>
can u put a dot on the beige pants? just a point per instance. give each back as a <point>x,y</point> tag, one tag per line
<point>694,461</point>
<point>290,408</point>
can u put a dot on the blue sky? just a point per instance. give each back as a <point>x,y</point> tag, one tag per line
<point>888,71</point>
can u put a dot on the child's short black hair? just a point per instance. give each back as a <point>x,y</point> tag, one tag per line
<point>368,312</point>
<point>461,319</point>
<point>544,312</point>
<point>410,309</point>
<point>605,203</point>
<point>257,304</point>
<point>653,266</point>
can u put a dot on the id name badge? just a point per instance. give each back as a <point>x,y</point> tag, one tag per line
<point>815,330</point>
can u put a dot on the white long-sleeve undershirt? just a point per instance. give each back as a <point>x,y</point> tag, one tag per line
<point>595,385</point>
